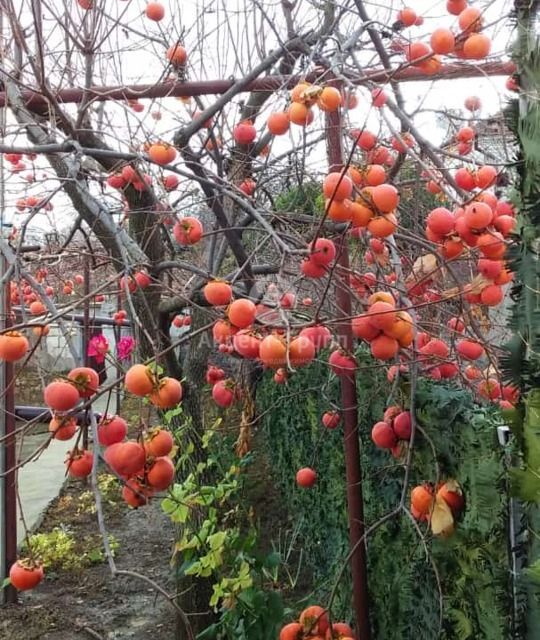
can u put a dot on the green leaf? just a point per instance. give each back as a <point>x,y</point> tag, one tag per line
<point>6,582</point>
<point>217,540</point>
<point>272,560</point>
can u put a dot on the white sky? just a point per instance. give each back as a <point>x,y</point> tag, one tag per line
<point>225,40</point>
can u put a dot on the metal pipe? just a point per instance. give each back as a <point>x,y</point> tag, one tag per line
<point>79,317</point>
<point>349,402</point>
<point>86,337</point>
<point>34,100</point>
<point>42,414</point>
<point>8,501</point>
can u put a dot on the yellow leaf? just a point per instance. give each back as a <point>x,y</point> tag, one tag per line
<point>453,485</point>
<point>442,520</point>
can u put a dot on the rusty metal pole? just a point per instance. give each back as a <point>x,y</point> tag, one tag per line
<point>86,338</point>
<point>8,452</point>
<point>355,501</point>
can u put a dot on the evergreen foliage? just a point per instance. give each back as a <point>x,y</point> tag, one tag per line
<point>472,565</point>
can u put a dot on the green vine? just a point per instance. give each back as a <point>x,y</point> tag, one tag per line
<point>472,565</point>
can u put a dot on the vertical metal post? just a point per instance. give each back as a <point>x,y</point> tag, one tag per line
<point>8,495</point>
<point>86,338</point>
<point>355,501</point>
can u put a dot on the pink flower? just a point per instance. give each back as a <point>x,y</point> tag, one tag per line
<point>124,347</point>
<point>98,347</point>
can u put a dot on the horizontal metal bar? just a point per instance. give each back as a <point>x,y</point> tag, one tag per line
<point>34,99</point>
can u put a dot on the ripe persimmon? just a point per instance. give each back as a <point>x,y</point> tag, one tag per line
<point>339,210</point>
<point>217,292</point>
<point>314,620</point>
<point>422,499</point>
<point>477,46</point>
<point>139,380</point>
<point>188,230</point>
<point>337,186</point>
<point>407,16</point>
<point>383,226</point>
<point>79,463</point>
<point>177,55</point>
<point>241,313</point>
<point>155,11</point>
<point>13,346</point>
<point>25,574</point>
<point>301,351</point>
<point>329,99</point>
<point>273,351</point>
<point>278,123</point>
<point>160,475</point>
<point>167,394</point>
<point>470,20</point>
<point>442,41</point>
<point>441,221</point>
<point>300,114</point>
<point>61,396</point>
<point>492,295</point>
<point>383,347</point>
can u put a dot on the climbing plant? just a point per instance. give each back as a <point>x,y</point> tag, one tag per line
<point>405,575</point>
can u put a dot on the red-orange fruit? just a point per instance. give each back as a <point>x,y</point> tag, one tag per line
<point>160,475</point>
<point>63,427</point>
<point>242,312</point>
<point>301,351</point>
<point>422,499</point>
<point>159,443</point>
<point>382,315</point>
<point>383,347</point>
<point>478,215</point>
<point>469,349</point>
<point>385,197</point>
<point>278,123</point>
<point>139,380</point>
<point>492,295</point>
<point>168,393</point>
<point>217,293</point>
<point>13,346</point>
<point>441,221</point>
<point>177,55</point>
<point>79,463</point>
<point>273,352</point>
<point>337,186</point>
<point>442,41</point>
<point>314,620</point>
<point>85,380</point>
<point>61,396</point>
<point>477,46</point>
<point>126,458</point>
<point>306,477</point>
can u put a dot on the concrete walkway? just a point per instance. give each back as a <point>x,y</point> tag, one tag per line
<point>40,481</point>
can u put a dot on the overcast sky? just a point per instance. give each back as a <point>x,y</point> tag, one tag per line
<point>223,38</point>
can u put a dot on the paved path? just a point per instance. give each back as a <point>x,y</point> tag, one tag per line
<point>40,481</point>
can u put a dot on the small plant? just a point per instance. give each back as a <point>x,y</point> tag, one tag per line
<point>108,488</point>
<point>59,549</point>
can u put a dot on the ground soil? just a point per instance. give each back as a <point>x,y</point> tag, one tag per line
<point>90,603</point>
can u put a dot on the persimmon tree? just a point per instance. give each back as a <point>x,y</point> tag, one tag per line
<point>265,212</point>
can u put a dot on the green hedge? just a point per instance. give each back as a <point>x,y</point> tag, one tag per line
<point>472,564</point>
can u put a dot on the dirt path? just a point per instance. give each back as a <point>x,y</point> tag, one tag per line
<point>89,603</point>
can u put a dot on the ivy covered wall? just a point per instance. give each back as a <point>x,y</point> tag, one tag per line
<point>471,566</point>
